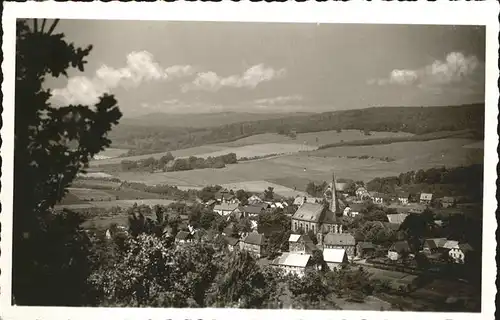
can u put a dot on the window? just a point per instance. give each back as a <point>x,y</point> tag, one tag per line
<point>307,228</point>
<point>312,228</point>
<point>295,226</point>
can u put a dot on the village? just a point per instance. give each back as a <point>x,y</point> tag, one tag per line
<point>386,235</point>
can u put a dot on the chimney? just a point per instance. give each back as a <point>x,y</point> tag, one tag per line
<point>333,200</point>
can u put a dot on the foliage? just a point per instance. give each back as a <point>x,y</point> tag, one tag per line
<point>153,274</point>
<point>353,284</point>
<point>311,288</point>
<point>269,194</point>
<point>316,190</point>
<point>241,283</point>
<point>51,146</point>
<point>180,164</point>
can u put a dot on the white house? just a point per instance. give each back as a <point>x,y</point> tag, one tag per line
<point>254,199</point>
<point>396,251</point>
<point>403,198</point>
<point>425,198</point>
<point>293,263</point>
<point>334,257</point>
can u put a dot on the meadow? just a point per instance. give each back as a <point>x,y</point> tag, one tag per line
<point>296,170</point>
<point>263,144</point>
<point>313,138</point>
<point>111,153</point>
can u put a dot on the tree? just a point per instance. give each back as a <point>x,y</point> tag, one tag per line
<point>52,145</point>
<point>243,196</point>
<point>311,288</point>
<point>318,260</point>
<point>269,194</point>
<point>153,274</point>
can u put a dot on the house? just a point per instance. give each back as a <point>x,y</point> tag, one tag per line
<point>362,193</point>
<point>225,209</point>
<point>232,243</point>
<point>426,198</point>
<point>365,249</point>
<point>447,202</point>
<point>417,208</point>
<point>334,258</point>
<point>226,196</point>
<point>450,244</point>
<point>353,209</point>
<point>397,250</point>
<point>459,252</point>
<point>397,218</point>
<point>378,197</point>
<point>344,241</point>
<point>254,199</point>
<point>433,245</point>
<point>403,198</point>
<point>183,237</point>
<point>292,263</point>
<point>300,200</point>
<point>210,203</point>
<point>301,244</point>
<point>253,243</point>
<point>255,209</point>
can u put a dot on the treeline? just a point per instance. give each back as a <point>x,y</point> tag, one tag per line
<point>417,120</point>
<point>469,178</point>
<point>168,163</point>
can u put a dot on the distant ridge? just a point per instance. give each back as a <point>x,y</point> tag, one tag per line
<point>202,120</point>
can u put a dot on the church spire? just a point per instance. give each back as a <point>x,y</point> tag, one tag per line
<point>334,206</point>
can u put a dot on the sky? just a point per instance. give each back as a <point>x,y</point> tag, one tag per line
<point>202,67</point>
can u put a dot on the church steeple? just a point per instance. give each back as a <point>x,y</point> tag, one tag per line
<point>334,205</point>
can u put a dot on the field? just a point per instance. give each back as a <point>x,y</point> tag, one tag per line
<point>313,138</point>
<point>91,194</point>
<point>296,170</point>
<point>263,144</point>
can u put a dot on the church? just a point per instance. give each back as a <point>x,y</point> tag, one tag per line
<point>320,218</point>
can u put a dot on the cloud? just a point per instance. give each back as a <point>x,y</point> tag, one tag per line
<point>251,78</point>
<point>279,100</point>
<point>456,69</point>
<point>140,67</point>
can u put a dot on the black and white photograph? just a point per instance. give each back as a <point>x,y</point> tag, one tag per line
<point>241,165</point>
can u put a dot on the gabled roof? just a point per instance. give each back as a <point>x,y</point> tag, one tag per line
<point>226,206</point>
<point>397,218</point>
<point>292,260</point>
<point>403,195</point>
<point>254,238</point>
<point>465,247</point>
<point>339,239</point>
<point>451,244</point>
<point>182,235</point>
<point>334,255</point>
<point>356,207</point>
<point>400,246</point>
<point>366,245</point>
<point>309,212</point>
<point>294,238</point>
<point>379,195</point>
<point>231,241</point>
<point>435,243</point>
<point>253,209</point>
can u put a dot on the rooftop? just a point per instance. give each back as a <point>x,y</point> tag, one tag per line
<point>397,218</point>
<point>342,239</point>
<point>294,238</point>
<point>254,238</point>
<point>292,260</point>
<point>309,212</point>
<point>334,255</point>
<point>226,206</point>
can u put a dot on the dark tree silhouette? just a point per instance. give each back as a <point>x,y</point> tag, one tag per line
<point>51,146</point>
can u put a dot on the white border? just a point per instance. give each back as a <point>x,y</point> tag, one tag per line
<point>440,12</point>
